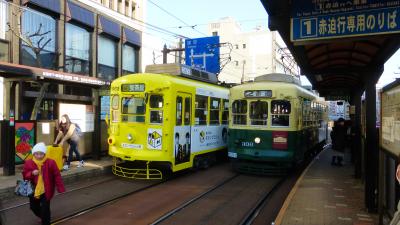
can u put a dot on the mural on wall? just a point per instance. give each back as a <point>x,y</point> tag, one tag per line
<point>25,139</point>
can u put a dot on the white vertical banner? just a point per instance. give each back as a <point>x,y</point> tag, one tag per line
<point>80,114</point>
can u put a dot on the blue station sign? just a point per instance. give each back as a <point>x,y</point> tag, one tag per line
<point>323,19</point>
<point>203,53</point>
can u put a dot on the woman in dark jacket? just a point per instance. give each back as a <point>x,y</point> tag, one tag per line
<point>338,136</point>
<point>44,175</point>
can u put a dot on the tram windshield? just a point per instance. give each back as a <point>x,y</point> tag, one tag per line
<point>280,110</point>
<point>133,109</point>
<point>239,112</point>
<point>259,112</point>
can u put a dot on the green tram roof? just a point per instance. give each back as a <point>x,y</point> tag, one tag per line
<point>281,84</point>
<point>278,77</point>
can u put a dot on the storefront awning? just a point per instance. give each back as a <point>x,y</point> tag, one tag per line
<point>15,71</point>
<point>79,14</point>
<point>132,37</point>
<point>109,27</point>
<point>51,5</point>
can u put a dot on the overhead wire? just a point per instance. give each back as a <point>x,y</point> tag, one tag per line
<point>225,22</point>
<point>172,15</point>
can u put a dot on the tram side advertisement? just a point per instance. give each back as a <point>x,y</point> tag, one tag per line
<point>208,137</point>
<point>188,140</point>
<point>390,109</point>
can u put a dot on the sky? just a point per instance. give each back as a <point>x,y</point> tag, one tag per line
<point>250,14</point>
<point>201,12</point>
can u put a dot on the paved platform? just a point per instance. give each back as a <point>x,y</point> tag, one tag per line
<point>92,168</point>
<point>326,194</point>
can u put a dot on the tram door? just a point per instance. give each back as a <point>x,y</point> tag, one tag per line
<point>182,141</point>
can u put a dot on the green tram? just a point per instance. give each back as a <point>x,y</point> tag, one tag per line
<point>274,124</point>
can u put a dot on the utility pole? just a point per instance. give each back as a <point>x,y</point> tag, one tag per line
<point>242,80</point>
<point>165,51</point>
<point>180,46</point>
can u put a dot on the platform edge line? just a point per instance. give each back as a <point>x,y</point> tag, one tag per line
<point>282,211</point>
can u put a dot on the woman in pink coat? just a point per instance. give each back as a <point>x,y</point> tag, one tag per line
<point>45,177</point>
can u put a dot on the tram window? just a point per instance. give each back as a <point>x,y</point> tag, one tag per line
<point>239,112</point>
<point>280,110</point>
<point>187,110</point>
<point>156,112</point>
<point>225,112</point>
<point>156,101</point>
<point>201,104</point>
<point>156,116</point>
<point>178,110</point>
<point>115,101</point>
<point>133,105</point>
<point>214,110</point>
<point>306,112</point>
<point>258,112</point>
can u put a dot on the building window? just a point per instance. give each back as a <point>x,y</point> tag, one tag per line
<point>127,8</point>
<point>120,8</point>
<point>4,51</point>
<point>129,59</point>
<point>3,19</point>
<point>237,46</point>
<point>77,50</point>
<point>244,46</point>
<point>39,29</point>
<point>215,25</point>
<point>236,63</point>
<point>133,10</point>
<point>107,58</point>
<point>215,33</point>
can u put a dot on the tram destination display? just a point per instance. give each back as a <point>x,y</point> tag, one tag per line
<point>258,94</point>
<point>133,88</point>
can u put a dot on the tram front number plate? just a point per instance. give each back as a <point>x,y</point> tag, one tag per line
<point>133,146</point>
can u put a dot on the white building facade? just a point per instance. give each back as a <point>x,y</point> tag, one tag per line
<point>251,53</point>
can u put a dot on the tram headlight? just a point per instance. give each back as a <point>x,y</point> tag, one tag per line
<point>111,141</point>
<point>130,137</point>
<point>257,140</point>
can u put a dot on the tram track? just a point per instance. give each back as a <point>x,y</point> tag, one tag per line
<point>67,192</point>
<point>101,204</point>
<point>254,212</point>
<point>72,200</point>
<point>189,210</point>
<point>182,206</point>
<point>271,196</point>
<point>146,205</point>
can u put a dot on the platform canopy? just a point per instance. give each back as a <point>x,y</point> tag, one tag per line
<point>339,45</point>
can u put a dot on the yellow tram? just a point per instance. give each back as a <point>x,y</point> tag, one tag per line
<point>172,115</point>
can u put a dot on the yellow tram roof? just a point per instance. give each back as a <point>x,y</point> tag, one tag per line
<point>164,80</point>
